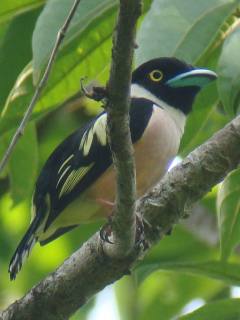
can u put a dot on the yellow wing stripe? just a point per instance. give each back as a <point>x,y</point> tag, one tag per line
<point>65,162</point>
<point>74,177</point>
<point>62,175</point>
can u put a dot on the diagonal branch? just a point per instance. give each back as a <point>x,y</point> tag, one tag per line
<point>118,128</point>
<point>198,173</point>
<point>20,130</point>
<point>89,270</point>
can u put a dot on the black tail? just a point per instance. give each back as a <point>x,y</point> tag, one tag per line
<point>23,249</point>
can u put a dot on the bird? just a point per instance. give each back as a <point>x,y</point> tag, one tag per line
<point>77,182</point>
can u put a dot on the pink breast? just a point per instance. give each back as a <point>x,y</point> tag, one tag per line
<point>158,145</point>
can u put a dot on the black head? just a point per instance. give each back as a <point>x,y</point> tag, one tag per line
<point>172,81</point>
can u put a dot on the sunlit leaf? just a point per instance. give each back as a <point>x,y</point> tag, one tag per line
<point>53,17</point>
<point>88,55</point>
<point>220,310</point>
<point>229,73</point>
<point>10,9</point>
<point>228,207</point>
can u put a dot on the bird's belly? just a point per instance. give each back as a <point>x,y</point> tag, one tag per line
<point>153,154</point>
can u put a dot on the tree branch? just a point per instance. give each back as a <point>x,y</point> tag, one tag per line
<point>89,269</point>
<point>123,223</point>
<point>198,173</point>
<point>20,130</point>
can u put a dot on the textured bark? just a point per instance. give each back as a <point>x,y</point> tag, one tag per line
<point>118,128</point>
<point>89,269</point>
<point>197,174</point>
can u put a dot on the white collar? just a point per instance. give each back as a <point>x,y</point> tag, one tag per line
<point>176,114</point>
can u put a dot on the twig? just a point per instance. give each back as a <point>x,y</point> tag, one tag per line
<point>20,130</point>
<point>89,270</point>
<point>123,223</point>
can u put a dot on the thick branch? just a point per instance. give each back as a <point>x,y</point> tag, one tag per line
<point>124,225</point>
<point>197,174</point>
<point>89,270</point>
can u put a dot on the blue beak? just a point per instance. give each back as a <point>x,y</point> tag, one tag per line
<point>196,77</point>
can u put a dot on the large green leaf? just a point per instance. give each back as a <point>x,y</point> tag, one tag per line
<point>180,246</point>
<point>166,293</point>
<point>229,73</point>
<point>187,29</point>
<point>228,207</point>
<point>10,9</point>
<point>228,309</point>
<point>53,17</point>
<point>197,127</point>
<point>15,50</point>
<point>205,119</point>
<point>87,55</point>
<point>227,272</point>
<point>184,29</point>
<point>23,165</point>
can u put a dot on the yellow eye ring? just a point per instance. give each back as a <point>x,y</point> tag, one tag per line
<point>156,75</point>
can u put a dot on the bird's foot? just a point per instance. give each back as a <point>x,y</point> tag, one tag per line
<point>140,242</point>
<point>97,93</point>
<point>106,231</point>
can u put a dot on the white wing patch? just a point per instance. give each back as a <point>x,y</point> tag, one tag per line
<point>74,177</point>
<point>98,129</point>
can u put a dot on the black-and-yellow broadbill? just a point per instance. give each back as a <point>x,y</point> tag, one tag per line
<point>78,181</point>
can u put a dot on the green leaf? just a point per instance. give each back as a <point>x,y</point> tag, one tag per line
<point>229,73</point>
<point>166,293</point>
<point>10,9</point>
<point>87,55</point>
<point>15,51</point>
<point>196,127</point>
<point>53,17</point>
<point>187,30</point>
<point>228,309</point>
<point>227,272</point>
<point>23,165</point>
<point>180,246</point>
<point>184,29</point>
<point>228,207</point>
<point>205,118</point>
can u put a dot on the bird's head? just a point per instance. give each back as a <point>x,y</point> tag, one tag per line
<point>171,81</point>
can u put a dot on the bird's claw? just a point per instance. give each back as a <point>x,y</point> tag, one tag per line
<point>140,242</point>
<point>106,231</point>
<point>97,93</point>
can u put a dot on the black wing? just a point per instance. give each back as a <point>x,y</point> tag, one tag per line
<point>80,159</point>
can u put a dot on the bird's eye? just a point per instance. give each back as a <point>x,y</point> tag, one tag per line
<point>156,75</point>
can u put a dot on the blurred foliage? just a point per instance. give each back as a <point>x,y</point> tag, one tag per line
<point>182,267</point>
